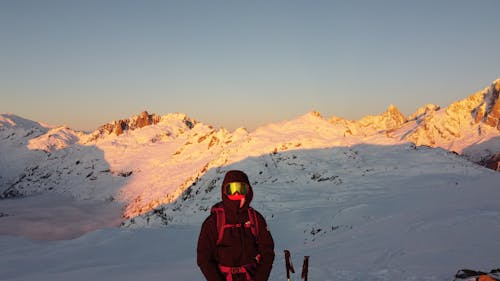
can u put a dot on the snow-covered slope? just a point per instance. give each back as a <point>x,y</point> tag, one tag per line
<point>37,159</point>
<point>364,212</point>
<point>15,135</point>
<point>358,196</point>
<point>149,160</point>
<point>55,139</point>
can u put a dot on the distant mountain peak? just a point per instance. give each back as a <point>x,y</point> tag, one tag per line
<point>189,122</point>
<point>143,119</point>
<point>118,127</point>
<point>482,107</point>
<point>393,112</point>
<point>12,121</point>
<point>315,113</point>
<point>392,107</point>
<point>390,119</point>
<point>423,111</point>
<point>463,124</point>
<point>56,138</point>
<point>488,111</point>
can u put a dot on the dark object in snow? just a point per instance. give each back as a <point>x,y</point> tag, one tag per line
<point>305,268</point>
<point>289,265</point>
<point>473,275</point>
<point>125,174</point>
<point>493,162</point>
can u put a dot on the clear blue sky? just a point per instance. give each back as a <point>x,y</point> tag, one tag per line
<point>241,63</point>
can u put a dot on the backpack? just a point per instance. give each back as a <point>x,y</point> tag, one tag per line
<point>218,210</point>
<point>472,275</point>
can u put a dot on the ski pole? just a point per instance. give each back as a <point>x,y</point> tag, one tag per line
<point>305,268</point>
<point>289,265</point>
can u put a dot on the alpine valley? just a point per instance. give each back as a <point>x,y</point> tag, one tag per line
<point>387,197</point>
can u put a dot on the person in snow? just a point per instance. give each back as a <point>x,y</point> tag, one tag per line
<point>235,243</point>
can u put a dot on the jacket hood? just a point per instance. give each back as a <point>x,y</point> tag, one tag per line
<point>236,176</point>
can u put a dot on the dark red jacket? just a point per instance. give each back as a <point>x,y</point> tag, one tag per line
<point>238,246</point>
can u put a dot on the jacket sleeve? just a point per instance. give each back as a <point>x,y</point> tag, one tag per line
<point>206,251</point>
<point>265,244</point>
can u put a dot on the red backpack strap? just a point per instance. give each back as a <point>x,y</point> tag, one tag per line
<point>221,225</point>
<point>254,222</point>
<point>221,221</point>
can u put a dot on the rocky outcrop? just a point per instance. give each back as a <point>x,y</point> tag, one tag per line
<point>144,119</point>
<point>120,126</point>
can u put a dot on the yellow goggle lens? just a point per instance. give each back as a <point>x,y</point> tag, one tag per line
<point>236,187</point>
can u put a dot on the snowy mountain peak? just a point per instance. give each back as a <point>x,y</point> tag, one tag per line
<point>497,82</point>
<point>394,116</point>
<point>482,107</point>
<point>312,118</point>
<point>5,121</point>
<point>488,111</point>
<point>54,139</point>
<point>423,111</point>
<point>14,121</point>
<point>142,120</point>
<point>314,114</point>
<point>390,119</point>
<point>175,117</point>
<point>238,131</point>
<point>392,107</point>
<point>311,122</point>
<point>466,126</point>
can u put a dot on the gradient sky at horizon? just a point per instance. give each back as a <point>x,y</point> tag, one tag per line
<point>241,63</point>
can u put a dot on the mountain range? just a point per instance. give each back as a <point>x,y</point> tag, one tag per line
<point>387,197</point>
<point>148,160</point>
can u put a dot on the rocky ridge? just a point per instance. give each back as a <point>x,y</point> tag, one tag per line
<point>120,126</point>
<point>461,124</point>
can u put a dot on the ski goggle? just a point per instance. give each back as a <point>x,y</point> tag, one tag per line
<point>236,187</point>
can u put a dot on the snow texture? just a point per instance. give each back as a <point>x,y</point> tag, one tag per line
<point>383,198</point>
